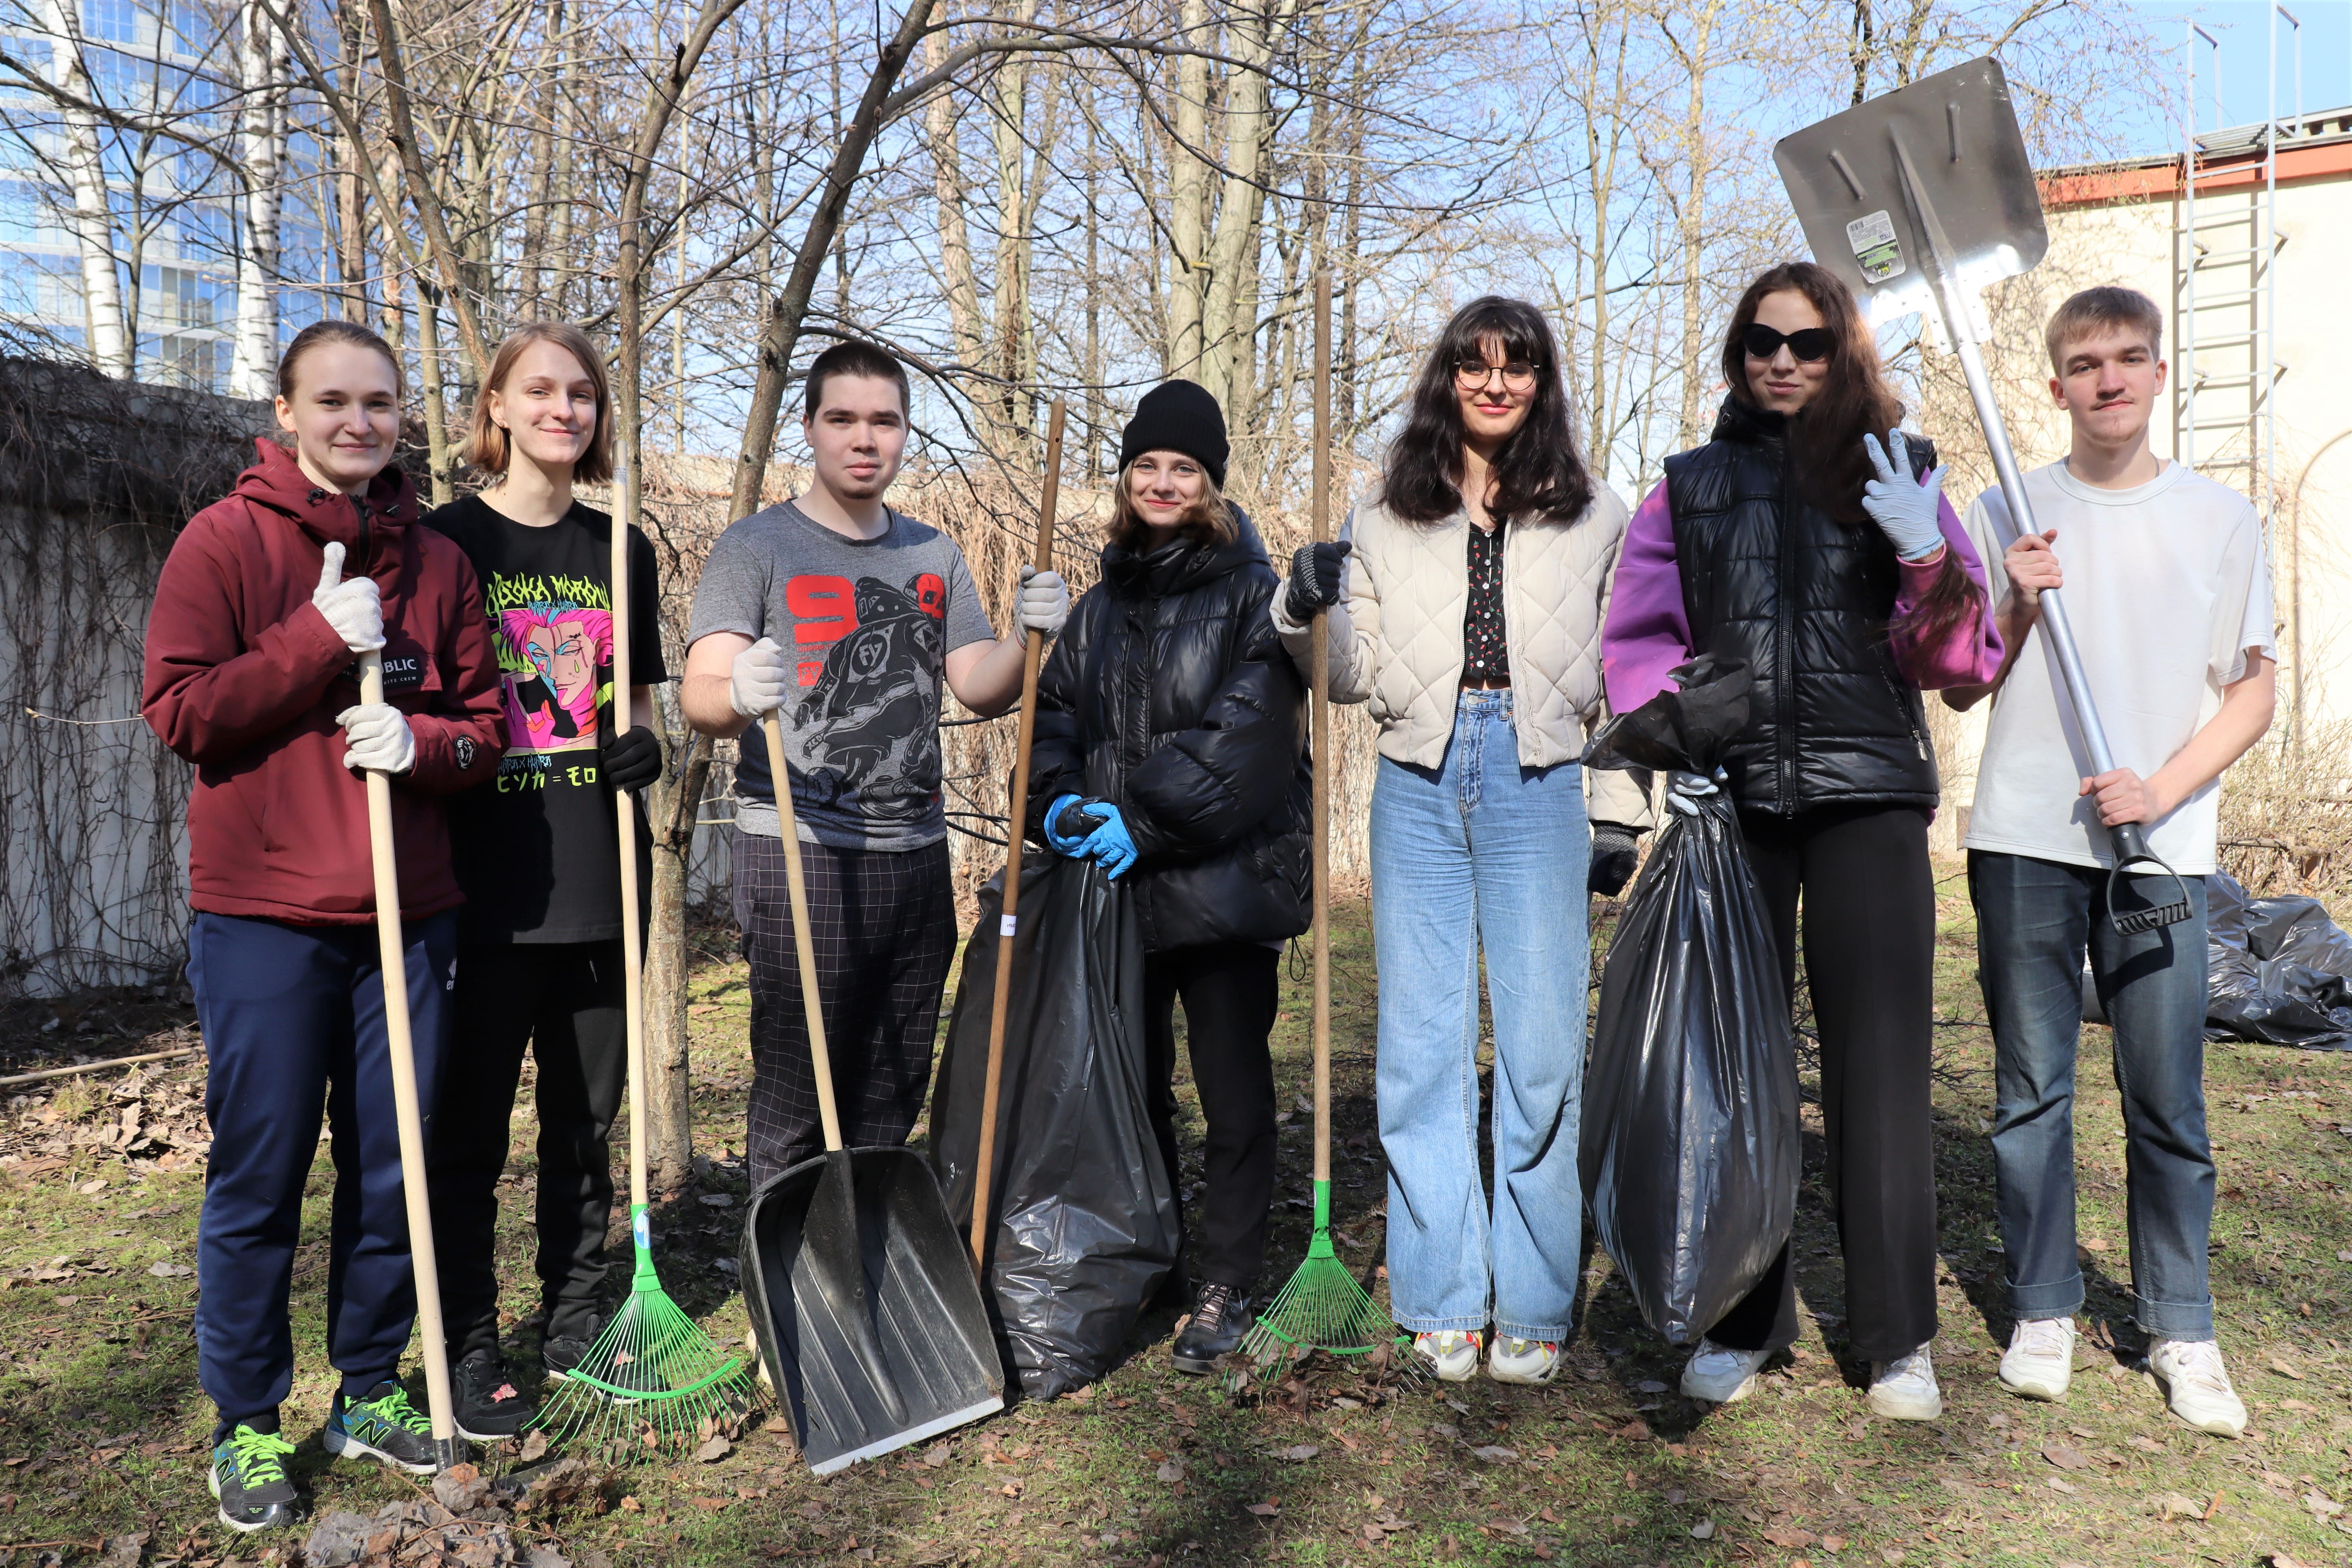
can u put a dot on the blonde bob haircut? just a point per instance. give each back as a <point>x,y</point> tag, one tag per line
<point>1208,521</point>
<point>488,445</point>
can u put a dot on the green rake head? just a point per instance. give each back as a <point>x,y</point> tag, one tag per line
<point>1321,1308</point>
<point>652,1383</point>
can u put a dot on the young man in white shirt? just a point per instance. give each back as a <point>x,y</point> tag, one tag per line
<point>2167,585</point>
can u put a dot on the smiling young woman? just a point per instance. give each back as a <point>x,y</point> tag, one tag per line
<point>1830,565</point>
<point>541,964</point>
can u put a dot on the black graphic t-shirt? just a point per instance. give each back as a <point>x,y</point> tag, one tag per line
<point>870,623</point>
<point>535,846</point>
<point>1486,655</point>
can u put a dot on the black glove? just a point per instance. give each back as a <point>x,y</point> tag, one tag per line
<point>633,760</point>
<point>1076,821</point>
<point>1612,860</point>
<point>1314,580</point>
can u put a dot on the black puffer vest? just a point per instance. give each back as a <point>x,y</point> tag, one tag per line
<point>1804,600</point>
<point>1170,694</point>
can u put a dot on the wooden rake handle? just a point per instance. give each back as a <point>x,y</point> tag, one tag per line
<point>985,1171</point>
<point>1318,713</point>
<point>401,1047</point>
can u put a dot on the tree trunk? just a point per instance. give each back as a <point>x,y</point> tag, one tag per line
<point>1188,196</point>
<point>672,809</point>
<point>93,220</point>
<point>261,140</point>
<point>956,275</point>
<point>438,455</point>
<point>1229,308</point>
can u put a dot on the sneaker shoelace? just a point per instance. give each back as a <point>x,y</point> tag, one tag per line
<point>2043,1337</point>
<point>1714,1358</point>
<point>2198,1361</point>
<point>1216,1300</point>
<point>1913,1368</point>
<point>1529,1347</point>
<point>260,1457</point>
<point>394,1410</point>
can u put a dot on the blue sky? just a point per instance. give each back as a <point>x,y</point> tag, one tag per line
<point>2242,27</point>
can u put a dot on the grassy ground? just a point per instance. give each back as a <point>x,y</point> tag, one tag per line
<point>101,1422</point>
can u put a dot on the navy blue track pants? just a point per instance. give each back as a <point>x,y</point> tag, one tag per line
<point>293,1022</point>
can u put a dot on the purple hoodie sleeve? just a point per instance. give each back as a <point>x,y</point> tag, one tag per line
<point>1967,655</point>
<point>1647,633</point>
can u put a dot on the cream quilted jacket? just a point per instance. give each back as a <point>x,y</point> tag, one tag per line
<point>1396,637</point>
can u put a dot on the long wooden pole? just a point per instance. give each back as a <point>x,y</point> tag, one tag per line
<point>393,958</point>
<point>1318,713</point>
<point>624,817</point>
<point>984,1172</point>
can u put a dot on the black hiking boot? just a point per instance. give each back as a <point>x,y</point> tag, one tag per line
<point>1220,1319</point>
<point>490,1408</point>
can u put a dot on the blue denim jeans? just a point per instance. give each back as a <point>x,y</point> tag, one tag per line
<point>2034,919</point>
<point>1481,853</point>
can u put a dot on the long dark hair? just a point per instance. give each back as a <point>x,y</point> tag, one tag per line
<point>1537,473</point>
<point>1826,451</point>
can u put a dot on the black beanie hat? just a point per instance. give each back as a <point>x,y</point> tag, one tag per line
<point>1178,417</point>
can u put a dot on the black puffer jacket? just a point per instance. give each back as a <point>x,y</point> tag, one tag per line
<point>1170,693</point>
<point>1804,600</point>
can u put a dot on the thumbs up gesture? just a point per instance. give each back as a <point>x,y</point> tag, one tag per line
<point>354,608</point>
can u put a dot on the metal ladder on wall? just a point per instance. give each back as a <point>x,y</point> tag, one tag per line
<point>2225,287</point>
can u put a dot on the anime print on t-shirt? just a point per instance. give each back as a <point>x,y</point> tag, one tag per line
<point>870,711</point>
<point>554,639</point>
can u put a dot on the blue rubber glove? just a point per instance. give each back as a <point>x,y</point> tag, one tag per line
<point>1071,844</point>
<point>1904,511</point>
<point>1109,844</point>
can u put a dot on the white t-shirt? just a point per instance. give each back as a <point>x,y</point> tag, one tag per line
<point>2169,589</point>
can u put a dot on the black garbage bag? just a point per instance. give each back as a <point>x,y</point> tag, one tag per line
<point>1086,1226</point>
<point>1690,1153</point>
<point>2279,971</point>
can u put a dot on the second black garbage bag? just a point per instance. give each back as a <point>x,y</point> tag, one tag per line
<point>1087,1227</point>
<point>1689,1153</point>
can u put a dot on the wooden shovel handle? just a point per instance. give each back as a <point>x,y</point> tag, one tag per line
<point>401,1047</point>
<point>1017,810</point>
<point>803,943</point>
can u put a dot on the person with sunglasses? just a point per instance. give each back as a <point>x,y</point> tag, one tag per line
<point>1464,607</point>
<point>1789,541</point>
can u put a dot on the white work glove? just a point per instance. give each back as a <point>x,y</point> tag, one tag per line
<point>1683,790</point>
<point>1044,602</point>
<point>354,608</point>
<point>377,738</point>
<point>1904,511</point>
<point>759,679</point>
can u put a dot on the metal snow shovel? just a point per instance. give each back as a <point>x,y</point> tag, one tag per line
<point>393,959</point>
<point>1917,200</point>
<point>984,1172</point>
<point>862,1301</point>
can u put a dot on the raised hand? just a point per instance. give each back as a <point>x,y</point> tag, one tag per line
<point>354,607</point>
<point>1904,511</point>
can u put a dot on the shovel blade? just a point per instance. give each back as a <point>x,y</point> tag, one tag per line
<point>862,1299</point>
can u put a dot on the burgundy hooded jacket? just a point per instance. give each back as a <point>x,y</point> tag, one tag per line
<point>244,678</point>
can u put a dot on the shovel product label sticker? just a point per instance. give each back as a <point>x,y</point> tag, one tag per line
<point>1004,924</point>
<point>1872,236</point>
<point>641,1231</point>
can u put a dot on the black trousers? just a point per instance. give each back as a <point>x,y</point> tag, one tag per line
<point>564,1001</point>
<point>884,926</point>
<point>1869,903</point>
<point>1229,991</point>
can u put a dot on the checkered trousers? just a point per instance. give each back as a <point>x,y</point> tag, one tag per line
<point>884,925</point>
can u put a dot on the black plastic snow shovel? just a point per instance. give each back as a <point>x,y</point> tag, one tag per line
<point>869,1321</point>
<point>1918,199</point>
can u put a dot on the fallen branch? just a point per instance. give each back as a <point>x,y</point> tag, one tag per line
<point>97,1067</point>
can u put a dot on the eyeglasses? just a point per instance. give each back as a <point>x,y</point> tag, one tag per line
<point>1810,344</point>
<point>1518,377</point>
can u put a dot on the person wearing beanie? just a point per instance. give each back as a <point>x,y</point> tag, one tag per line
<point>1208,826</point>
<point>1464,607</point>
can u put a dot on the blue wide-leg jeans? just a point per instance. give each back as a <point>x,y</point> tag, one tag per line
<point>1483,853</point>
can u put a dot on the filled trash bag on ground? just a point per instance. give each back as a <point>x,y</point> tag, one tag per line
<point>2279,971</point>
<point>1689,1153</point>
<point>1086,1228</point>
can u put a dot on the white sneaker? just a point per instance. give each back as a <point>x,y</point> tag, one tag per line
<point>2040,1360</point>
<point>1721,1375</point>
<point>1906,1390</point>
<point>1451,1354</point>
<point>1531,1362</point>
<point>2197,1385</point>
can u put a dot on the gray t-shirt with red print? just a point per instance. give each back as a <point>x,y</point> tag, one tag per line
<point>869,623</point>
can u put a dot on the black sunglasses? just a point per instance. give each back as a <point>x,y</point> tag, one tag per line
<point>1810,344</point>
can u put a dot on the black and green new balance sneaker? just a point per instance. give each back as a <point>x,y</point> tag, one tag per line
<point>382,1425</point>
<point>249,1478</point>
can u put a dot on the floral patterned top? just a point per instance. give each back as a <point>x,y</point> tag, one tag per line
<point>1484,656</point>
